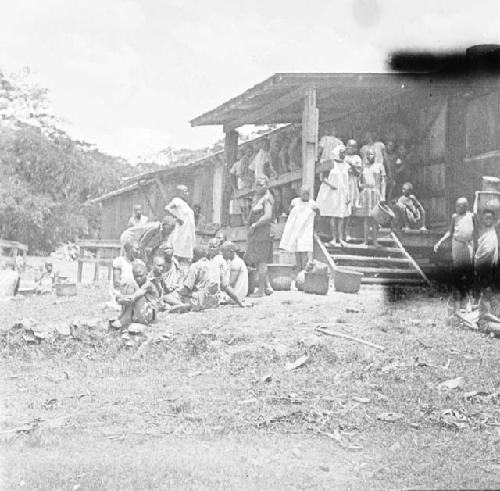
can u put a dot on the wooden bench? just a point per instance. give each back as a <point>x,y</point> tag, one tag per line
<point>104,252</point>
<point>14,248</point>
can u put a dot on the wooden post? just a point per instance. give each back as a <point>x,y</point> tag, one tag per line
<point>163,191</point>
<point>309,139</point>
<point>230,154</point>
<point>80,265</point>
<point>97,264</point>
<point>455,173</point>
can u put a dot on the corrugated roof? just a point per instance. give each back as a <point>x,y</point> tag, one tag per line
<point>279,99</point>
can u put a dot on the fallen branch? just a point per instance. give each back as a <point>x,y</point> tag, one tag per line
<point>336,334</point>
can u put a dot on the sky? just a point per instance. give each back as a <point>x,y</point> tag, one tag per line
<point>128,75</point>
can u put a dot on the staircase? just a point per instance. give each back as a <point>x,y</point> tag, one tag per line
<point>389,264</point>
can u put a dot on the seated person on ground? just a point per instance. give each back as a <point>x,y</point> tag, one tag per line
<point>45,282</point>
<point>198,291</point>
<point>219,270</point>
<point>123,266</point>
<point>171,276</point>
<point>138,299</point>
<point>238,272</point>
<point>411,212</point>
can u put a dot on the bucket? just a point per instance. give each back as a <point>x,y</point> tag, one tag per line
<point>317,283</point>
<point>65,289</point>
<point>280,276</point>
<point>346,280</point>
<point>487,200</point>
<point>382,214</point>
<point>491,183</point>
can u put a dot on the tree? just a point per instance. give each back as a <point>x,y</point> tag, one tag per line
<point>46,177</point>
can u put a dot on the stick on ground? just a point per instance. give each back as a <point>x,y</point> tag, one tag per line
<point>336,334</point>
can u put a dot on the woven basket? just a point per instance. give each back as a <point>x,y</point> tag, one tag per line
<point>382,214</point>
<point>316,283</point>
<point>346,280</point>
<point>65,289</point>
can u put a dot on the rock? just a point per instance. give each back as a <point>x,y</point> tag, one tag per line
<point>453,383</point>
<point>390,417</point>
<point>297,363</point>
<point>324,468</point>
<point>136,328</point>
<point>362,400</point>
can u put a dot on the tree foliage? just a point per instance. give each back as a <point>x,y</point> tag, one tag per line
<point>46,177</point>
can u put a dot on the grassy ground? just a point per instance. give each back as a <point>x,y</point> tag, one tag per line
<point>208,403</point>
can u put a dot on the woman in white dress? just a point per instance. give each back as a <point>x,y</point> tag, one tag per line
<point>334,199</point>
<point>299,228</point>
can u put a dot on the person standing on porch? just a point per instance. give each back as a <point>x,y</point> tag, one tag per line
<point>299,228</point>
<point>261,165</point>
<point>138,218</point>
<point>461,231</point>
<point>184,235</point>
<point>327,144</point>
<point>373,187</point>
<point>371,142</point>
<point>355,166</point>
<point>333,198</point>
<point>259,242</point>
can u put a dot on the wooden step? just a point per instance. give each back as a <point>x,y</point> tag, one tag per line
<point>386,271</point>
<point>364,250</point>
<point>370,259</point>
<point>392,281</point>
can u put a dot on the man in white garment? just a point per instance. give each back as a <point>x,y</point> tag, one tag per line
<point>238,272</point>
<point>261,164</point>
<point>138,218</point>
<point>184,235</point>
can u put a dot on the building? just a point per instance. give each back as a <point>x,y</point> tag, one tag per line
<point>450,127</point>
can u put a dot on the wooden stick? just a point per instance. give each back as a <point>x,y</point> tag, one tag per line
<point>336,334</point>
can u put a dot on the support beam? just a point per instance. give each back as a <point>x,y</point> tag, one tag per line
<point>455,175</point>
<point>309,139</point>
<point>230,154</point>
<point>146,197</point>
<point>162,191</point>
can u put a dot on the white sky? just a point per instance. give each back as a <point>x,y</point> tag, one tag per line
<point>129,74</point>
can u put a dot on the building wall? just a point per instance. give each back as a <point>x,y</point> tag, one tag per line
<point>117,210</point>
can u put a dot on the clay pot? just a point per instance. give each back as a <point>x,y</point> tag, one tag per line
<point>280,276</point>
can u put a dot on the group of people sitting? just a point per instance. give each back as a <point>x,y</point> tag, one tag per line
<point>162,270</point>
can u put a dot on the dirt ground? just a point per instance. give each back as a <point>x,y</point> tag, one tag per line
<point>209,401</point>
